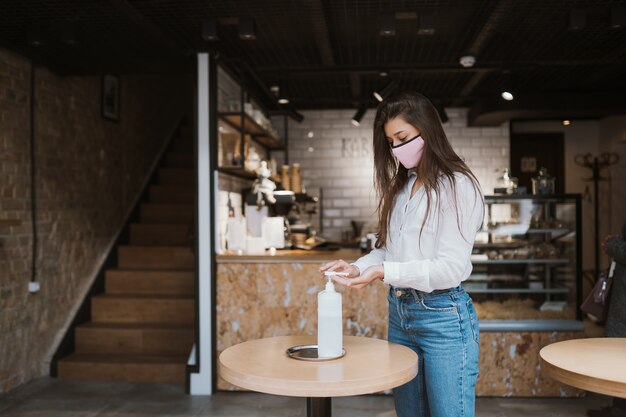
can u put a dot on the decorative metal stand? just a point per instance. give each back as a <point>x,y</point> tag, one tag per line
<point>595,164</point>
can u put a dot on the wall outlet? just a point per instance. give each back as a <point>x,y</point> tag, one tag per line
<point>33,287</point>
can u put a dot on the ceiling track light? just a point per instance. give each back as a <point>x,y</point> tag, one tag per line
<point>247,28</point>
<point>281,94</point>
<point>426,25</point>
<point>34,38</point>
<point>358,116</point>
<point>386,90</point>
<point>387,25</point>
<point>507,87</point>
<point>577,18</point>
<point>70,33</point>
<point>618,17</point>
<point>209,30</point>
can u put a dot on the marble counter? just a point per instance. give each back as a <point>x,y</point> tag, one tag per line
<point>261,297</point>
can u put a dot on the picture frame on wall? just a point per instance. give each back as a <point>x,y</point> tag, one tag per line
<point>111,97</point>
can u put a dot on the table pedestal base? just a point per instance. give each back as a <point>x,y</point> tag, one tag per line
<point>318,407</point>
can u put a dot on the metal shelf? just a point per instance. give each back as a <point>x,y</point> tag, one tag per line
<point>531,326</point>
<point>258,134</point>
<point>237,172</point>
<point>518,291</point>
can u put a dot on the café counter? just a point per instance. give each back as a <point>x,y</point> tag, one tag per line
<point>259,296</point>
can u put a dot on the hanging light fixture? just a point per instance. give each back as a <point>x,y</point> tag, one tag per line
<point>386,90</point>
<point>577,18</point>
<point>247,28</point>
<point>618,17</point>
<point>426,24</point>
<point>507,88</point>
<point>209,30</point>
<point>358,116</point>
<point>387,25</point>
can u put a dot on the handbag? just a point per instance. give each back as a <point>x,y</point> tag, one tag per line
<point>596,305</point>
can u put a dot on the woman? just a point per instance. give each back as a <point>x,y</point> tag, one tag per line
<point>430,208</point>
<point>615,247</point>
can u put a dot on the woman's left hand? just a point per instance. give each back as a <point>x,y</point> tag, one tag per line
<point>370,274</point>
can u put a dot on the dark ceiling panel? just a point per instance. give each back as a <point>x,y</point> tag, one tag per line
<point>328,53</point>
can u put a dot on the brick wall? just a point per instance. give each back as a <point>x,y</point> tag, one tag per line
<point>339,159</point>
<point>88,173</point>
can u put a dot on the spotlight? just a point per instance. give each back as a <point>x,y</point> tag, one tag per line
<point>387,25</point>
<point>387,89</point>
<point>282,96</point>
<point>467,61</point>
<point>567,122</point>
<point>209,30</point>
<point>508,88</point>
<point>507,95</point>
<point>247,28</point>
<point>618,17</point>
<point>358,116</point>
<point>426,24</point>
<point>577,19</point>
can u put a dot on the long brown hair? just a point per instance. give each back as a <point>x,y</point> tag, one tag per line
<point>439,161</point>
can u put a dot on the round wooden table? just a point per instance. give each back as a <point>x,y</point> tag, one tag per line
<point>597,365</point>
<point>370,365</point>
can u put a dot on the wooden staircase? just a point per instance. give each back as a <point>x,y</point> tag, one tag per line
<point>142,326</point>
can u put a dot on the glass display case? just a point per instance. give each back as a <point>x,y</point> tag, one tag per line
<point>526,263</point>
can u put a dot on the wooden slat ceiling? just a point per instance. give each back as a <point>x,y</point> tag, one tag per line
<point>328,53</point>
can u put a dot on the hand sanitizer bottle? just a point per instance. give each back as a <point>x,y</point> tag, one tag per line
<point>329,329</point>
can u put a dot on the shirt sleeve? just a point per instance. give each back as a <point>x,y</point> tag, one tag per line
<point>375,257</point>
<point>451,263</point>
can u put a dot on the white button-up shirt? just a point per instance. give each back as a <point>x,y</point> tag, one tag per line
<point>440,258</point>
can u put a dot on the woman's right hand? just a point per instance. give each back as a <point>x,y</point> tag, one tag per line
<point>341,266</point>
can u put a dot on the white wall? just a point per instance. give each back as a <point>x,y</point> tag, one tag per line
<point>339,159</point>
<point>613,139</point>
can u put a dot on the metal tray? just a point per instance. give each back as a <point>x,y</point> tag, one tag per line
<point>309,353</point>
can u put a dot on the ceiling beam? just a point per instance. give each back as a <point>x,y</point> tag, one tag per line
<point>315,13</point>
<point>438,67</point>
<point>495,111</point>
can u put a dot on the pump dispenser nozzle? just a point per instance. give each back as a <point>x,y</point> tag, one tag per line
<point>329,274</point>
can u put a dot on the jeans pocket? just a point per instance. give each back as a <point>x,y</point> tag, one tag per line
<point>439,304</point>
<point>473,320</point>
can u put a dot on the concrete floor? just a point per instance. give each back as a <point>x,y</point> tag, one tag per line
<point>49,397</point>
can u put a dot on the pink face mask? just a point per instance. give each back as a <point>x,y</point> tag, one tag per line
<point>410,152</point>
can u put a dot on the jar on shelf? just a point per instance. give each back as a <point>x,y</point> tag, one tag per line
<point>253,160</point>
<point>284,177</point>
<point>296,179</point>
<point>506,184</point>
<point>543,184</point>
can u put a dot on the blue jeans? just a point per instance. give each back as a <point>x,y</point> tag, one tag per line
<point>442,328</point>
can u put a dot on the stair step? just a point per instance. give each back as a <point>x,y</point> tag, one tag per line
<point>180,160</point>
<point>182,194</point>
<point>160,234</point>
<point>167,213</point>
<point>183,144</point>
<point>144,339</point>
<point>123,368</point>
<point>137,308</point>
<point>155,257</point>
<point>177,176</point>
<point>119,281</point>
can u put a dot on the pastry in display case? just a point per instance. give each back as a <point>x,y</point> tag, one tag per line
<point>526,260</point>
